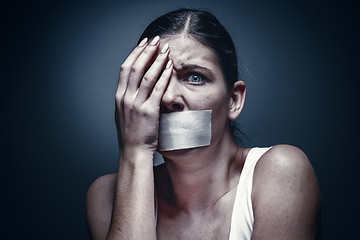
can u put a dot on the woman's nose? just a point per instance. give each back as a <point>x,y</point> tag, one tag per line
<point>172,100</point>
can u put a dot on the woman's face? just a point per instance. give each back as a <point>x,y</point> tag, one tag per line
<point>197,82</point>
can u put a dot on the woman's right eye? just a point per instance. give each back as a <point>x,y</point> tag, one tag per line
<point>195,79</point>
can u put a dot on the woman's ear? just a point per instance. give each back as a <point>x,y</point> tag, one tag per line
<point>237,100</point>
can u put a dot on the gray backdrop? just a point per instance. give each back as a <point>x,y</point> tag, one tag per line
<point>61,62</point>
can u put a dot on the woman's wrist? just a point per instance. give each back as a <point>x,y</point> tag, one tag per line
<point>137,157</point>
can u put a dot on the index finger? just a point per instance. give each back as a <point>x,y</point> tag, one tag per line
<point>126,66</point>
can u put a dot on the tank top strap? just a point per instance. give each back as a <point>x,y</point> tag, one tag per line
<point>242,218</point>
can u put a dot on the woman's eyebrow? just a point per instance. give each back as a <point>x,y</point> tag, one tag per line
<point>191,66</point>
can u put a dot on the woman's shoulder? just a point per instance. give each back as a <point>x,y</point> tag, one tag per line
<point>283,163</point>
<point>102,190</point>
<point>103,184</point>
<point>284,171</point>
<point>285,188</point>
<point>283,158</point>
<point>99,203</point>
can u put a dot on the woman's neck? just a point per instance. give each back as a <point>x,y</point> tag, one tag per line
<point>203,175</point>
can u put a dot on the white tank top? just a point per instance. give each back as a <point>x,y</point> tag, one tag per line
<point>242,218</point>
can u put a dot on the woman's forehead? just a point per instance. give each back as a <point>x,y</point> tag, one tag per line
<point>185,50</point>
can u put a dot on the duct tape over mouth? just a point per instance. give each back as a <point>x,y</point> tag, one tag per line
<point>183,130</point>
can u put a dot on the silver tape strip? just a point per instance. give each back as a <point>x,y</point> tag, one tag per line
<point>182,130</point>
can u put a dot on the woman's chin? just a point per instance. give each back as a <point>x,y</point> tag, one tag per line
<point>181,153</point>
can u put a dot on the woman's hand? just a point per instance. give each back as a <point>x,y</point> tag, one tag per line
<point>139,94</point>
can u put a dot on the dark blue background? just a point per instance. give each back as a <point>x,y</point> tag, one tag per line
<point>60,65</point>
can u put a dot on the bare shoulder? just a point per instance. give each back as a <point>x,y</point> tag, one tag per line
<point>285,192</point>
<point>283,161</point>
<point>284,165</point>
<point>102,189</point>
<point>99,204</point>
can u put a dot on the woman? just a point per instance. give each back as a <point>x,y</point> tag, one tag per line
<point>186,61</point>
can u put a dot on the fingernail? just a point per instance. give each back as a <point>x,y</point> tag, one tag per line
<point>155,41</point>
<point>169,64</point>
<point>143,42</point>
<point>165,48</point>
